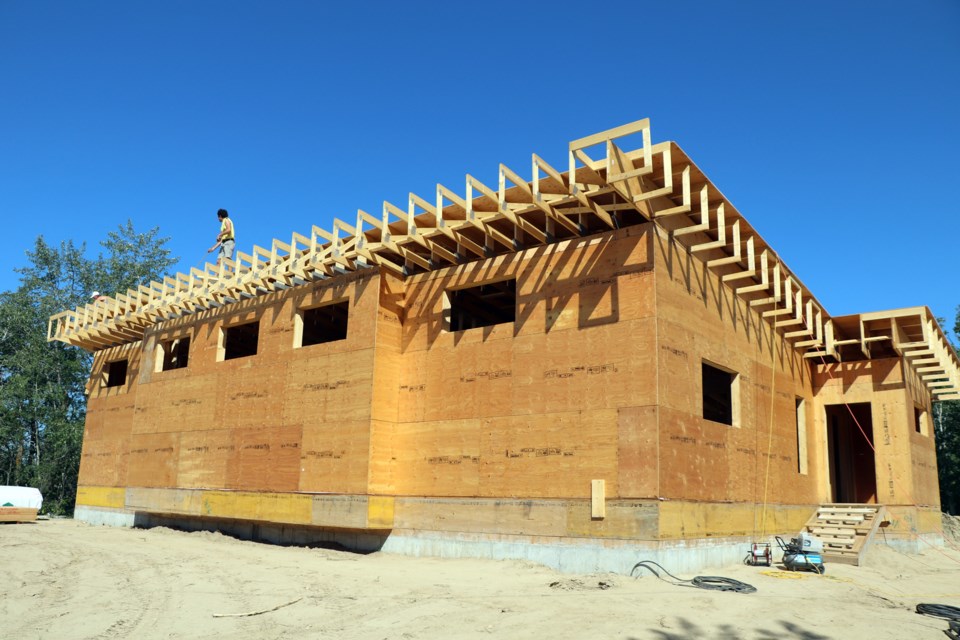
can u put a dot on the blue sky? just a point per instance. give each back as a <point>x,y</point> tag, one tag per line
<point>832,126</point>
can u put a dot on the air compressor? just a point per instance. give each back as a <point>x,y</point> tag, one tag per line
<point>803,553</point>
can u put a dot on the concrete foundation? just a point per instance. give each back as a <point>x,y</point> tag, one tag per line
<point>567,555</point>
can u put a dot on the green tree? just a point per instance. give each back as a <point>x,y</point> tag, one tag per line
<point>946,419</point>
<point>42,400</point>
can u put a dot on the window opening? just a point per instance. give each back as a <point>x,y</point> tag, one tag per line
<point>482,306</point>
<point>241,340</point>
<point>720,397</point>
<point>323,324</point>
<point>174,354</point>
<point>115,374</point>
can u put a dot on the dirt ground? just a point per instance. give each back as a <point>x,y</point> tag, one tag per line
<point>62,579</point>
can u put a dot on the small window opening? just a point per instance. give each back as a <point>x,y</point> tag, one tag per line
<point>174,354</point>
<point>241,341</point>
<point>324,324</point>
<point>115,374</point>
<point>919,420</point>
<point>482,306</point>
<point>720,402</point>
<point>801,409</point>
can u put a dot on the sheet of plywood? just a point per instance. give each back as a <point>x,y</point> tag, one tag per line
<point>334,457</point>
<point>153,460</point>
<point>204,458</point>
<point>266,459</point>
<point>440,458</point>
<point>637,452</point>
<point>548,455</point>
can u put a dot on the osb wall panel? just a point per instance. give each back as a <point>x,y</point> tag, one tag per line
<point>192,400</point>
<point>109,420</point>
<point>550,281</point>
<point>387,444</point>
<point>549,455</point>
<point>528,408</point>
<point>334,388</point>
<point>104,462</point>
<point>923,450</point>
<point>388,360</point>
<point>265,459</point>
<point>858,377</point>
<point>153,460</point>
<point>436,458</point>
<point>96,384</point>
<point>542,455</point>
<point>905,460</point>
<point>335,457</point>
<point>239,424</point>
<point>638,452</point>
<point>701,320</point>
<point>204,458</point>
<point>926,485</point>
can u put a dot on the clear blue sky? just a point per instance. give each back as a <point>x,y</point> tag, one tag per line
<point>834,127</point>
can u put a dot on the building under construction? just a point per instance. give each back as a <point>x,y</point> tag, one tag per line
<point>581,368</point>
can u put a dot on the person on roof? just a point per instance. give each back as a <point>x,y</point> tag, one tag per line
<point>226,239</point>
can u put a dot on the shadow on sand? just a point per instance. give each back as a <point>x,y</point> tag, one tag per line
<point>689,631</point>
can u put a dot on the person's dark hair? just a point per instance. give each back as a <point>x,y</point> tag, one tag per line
<point>223,214</point>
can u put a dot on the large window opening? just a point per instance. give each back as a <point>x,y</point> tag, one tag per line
<point>115,374</point>
<point>173,354</point>
<point>482,306</point>
<point>322,324</point>
<point>721,402</point>
<point>241,340</point>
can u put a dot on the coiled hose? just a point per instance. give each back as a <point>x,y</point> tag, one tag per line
<point>945,612</point>
<point>715,583</point>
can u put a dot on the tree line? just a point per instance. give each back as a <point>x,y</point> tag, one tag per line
<point>42,398</point>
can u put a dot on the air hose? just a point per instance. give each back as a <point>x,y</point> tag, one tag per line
<point>944,612</point>
<point>715,583</point>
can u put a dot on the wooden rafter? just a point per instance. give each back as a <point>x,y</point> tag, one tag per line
<point>655,182</point>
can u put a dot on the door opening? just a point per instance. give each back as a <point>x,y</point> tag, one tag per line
<point>853,470</point>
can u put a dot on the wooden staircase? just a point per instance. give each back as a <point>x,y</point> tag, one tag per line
<point>845,529</point>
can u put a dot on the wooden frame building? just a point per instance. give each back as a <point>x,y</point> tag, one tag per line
<point>577,368</point>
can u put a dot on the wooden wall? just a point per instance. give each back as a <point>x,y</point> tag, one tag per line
<point>284,420</point>
<point>535,408</point>
<point>906,464</point>
<point>599,378</point>
<point>699,319</point>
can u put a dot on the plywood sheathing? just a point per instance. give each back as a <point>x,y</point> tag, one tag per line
<point>906,471</point>
<point>701,319</point>
<point>285,420</point>
<point>516,409</point>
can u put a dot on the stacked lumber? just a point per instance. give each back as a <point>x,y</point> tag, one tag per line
<point>845,529</point>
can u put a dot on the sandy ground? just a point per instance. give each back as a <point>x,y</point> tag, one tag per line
<point>64,579</point>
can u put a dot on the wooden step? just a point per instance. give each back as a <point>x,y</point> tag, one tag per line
<point>844,529</point>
